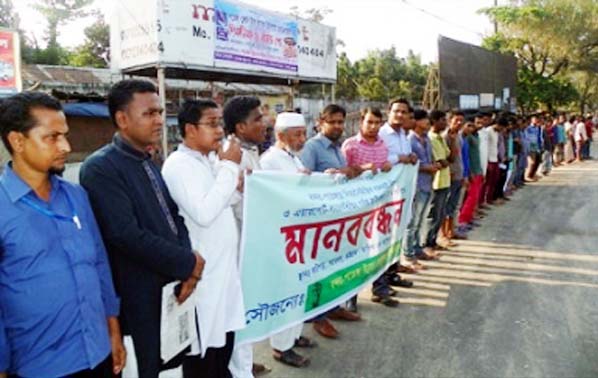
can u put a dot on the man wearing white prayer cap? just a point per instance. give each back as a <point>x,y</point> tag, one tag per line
<point>290,132</point>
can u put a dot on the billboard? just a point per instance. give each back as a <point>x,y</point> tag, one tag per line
<point>10,63</point>
<point>221,36</point>
<point>469,70</point>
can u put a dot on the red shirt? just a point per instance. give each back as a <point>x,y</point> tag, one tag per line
<point>358,151</point>
<point>589,129</point>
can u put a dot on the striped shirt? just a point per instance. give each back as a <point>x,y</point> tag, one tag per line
<point>359,151</point>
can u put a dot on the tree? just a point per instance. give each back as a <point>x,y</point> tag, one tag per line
<point>9,18</point>
<point>58,13</point>
<point>95,51</point>
<point>556,44</point>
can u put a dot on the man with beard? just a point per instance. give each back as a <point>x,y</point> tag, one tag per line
<point>145,236</point>
<point>323,153</point>
<point>290,138</point>
<point>58,307</point>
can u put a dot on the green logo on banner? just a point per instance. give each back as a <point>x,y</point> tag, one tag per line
<point>350,278</point>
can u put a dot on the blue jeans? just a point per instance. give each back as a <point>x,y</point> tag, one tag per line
<point>412,242</point>
<point>452,201</point>
<point>437,215</point>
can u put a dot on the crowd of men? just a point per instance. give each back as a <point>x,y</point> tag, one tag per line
<point>83,266</point>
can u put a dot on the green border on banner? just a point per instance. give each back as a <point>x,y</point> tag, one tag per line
<point>341,282</point>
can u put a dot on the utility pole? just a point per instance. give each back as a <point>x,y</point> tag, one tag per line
<point>495,23</point>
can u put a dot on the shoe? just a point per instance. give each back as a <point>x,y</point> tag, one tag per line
<point>386,301</point>
<point>290,358</point>
<point>260,369</point>
<point>343,314</point>
<point>397,281</point>
<point>325,328</point>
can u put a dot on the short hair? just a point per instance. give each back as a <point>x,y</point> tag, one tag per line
<point>237,111</point>
<point>400,101</point>
<point>502,121</point>
<point>371,110</point>
<point>420,114</point>
<point>15,113</point>
<point>333,109</point>
<point>456,113</point>
<point>192,111</point>
<point>436,115</point>
<point>121,94</point>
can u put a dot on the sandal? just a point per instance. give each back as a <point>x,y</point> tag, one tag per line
<point>304,342</point>
<point>291,358</point>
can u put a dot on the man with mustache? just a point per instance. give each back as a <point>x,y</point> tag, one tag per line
<point>58,307</point>
<point>145,236</point>
<point>322,153</point>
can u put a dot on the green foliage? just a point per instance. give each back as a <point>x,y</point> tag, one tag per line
<point>58,13</point>
<point>381,75</point>
<point>95,51</point>
<point>556,44</point>
<point>536,91</point>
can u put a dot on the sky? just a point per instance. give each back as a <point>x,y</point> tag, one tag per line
<point>362,25</point>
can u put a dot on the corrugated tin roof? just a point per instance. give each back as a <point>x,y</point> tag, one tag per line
<point>100,80</point>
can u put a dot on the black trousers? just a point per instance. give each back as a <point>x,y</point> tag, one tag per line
<point>214,364</point>
<point>103,370</point>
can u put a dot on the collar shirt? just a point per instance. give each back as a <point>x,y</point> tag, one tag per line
<point>580,133</point>
<point>423,149</point>
<point>250,160</point>
<point>145,238</point>
<point>483,139</point>
<point>493,140</point>
<point>320,154</point>
<point>440,151</point>
<point>396,142</point>
<point>359,151</point>
<point>533,137</point>
<point>475,166</point>
<point>456,165</point>
<point>277,159</point>
<point>465,156</point>
<point>56,288</point>
<point>203,188</point>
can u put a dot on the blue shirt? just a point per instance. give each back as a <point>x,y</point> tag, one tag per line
<point>320,154</point>
<point>423,149</point>
<point>465,156</point>
<point>56,288</point>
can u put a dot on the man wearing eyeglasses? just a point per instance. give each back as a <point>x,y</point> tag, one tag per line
<point>203,180</point>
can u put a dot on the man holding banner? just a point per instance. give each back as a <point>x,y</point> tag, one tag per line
<point>290,137</point>
<point>322,153</point>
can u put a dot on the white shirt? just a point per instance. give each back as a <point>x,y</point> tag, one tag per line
<point>277,159</point>
<point>492,145</point>
<point>396,142</point>
<point>250,160</point>
<point>483,138</point>
<point>580,132</point>
<point>203,188</point>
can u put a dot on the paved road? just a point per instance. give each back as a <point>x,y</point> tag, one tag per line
<point>519,299</point>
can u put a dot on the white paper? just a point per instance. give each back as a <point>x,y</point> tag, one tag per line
<point>130,370</point>
<point>177,328</point>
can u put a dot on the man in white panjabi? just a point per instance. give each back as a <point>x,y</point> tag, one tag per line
<point>203,181</point>
<point>290,132</point>
<point>244,120</point>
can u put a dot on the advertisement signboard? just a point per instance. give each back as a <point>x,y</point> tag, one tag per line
<point>10,63</point>
<point>221,36</point>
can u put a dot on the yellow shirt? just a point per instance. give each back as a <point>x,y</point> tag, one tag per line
<point>440,151</point>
